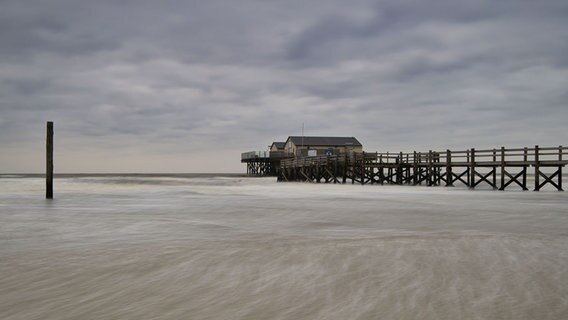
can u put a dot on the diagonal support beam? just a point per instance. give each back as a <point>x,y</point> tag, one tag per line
<point>549,179</point>
<point>484,178</point>
<point>456,177</point>
<point>514,179</point>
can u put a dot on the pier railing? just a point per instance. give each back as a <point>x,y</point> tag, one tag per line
<point>470,167</point>
<point>264,155</point>
<point>255,155</point>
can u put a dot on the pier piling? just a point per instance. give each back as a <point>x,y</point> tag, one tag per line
<point>49,162</point>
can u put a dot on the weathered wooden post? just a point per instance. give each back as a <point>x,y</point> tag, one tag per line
<point>430,170</point>
<point>415,169</point>
<point>420,169</point>
<point>334,169</point>
<point>467,168</point>
<point>372,169</point>
<point>381,170</point>
<point>363,168</point>
<point>344,178</point>
<point>401,168</point>
<point>502,168</point>
<point>49,162</point>
<point>472,172</point>
<point>525,160</point>
<point>536,169</point>
<point>449,178</point>
<point>560,168</point>
<point>494,169</point>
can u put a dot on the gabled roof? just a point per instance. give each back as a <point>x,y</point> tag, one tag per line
<point>324,141</point>
<point>279,145</point>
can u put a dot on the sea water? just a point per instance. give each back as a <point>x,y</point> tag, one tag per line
<point>234,247</point>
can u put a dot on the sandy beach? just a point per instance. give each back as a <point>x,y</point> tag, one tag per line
<point>231,247</point>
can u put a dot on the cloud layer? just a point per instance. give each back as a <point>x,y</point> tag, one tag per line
<point>185,86</point>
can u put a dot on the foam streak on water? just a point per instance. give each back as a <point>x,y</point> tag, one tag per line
<point>206,247</point>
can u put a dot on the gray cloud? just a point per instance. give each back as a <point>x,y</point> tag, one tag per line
<point>170,81</point>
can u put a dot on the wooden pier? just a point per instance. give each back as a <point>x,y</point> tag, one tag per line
<point>263,163</point>
<point>497,168</point>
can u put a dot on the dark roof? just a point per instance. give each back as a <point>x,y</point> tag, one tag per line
<point>324,141</point>
<point>279,145</point>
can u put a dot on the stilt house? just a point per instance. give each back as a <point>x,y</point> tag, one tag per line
<point>309,146</point>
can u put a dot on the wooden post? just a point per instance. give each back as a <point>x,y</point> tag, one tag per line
<point>335,170</point>
<point>415,169</point>
<point>536,169</point>
<point>407,165</point>
<point>421,169</point>
<point>363,168</point>
<point>525,160</point>
<point>49,162</point>
<point>381,170</point>
<point>430,173</point>
<point>318,168</point>
<point>468,176</point>
<point>372,166</point>
<point>399,174</point>
<point>353,157</point>
<point>502,168</point>
<point>449,177</point>
<point>344,179</point>
<point>472,172</point>
<point>560,168</point>
<point>494,169</point>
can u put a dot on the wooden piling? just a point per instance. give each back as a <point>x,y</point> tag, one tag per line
<point>472,169</point>
<point>560,169</point>
<point>536,169</point>
<point>502,169</point>
<point>494,176</point>
<point>400,168</point>
<point>449,178</point>
<point>49,162</point>
<point>344,178</point>
<point>525,161</point>
<point>363,168</point>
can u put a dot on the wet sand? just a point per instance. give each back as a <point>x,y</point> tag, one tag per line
<point>124,247</point>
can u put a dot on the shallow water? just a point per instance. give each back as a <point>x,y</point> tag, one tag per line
<point>206,247</point>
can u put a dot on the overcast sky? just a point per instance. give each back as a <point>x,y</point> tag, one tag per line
<point>186,86</point>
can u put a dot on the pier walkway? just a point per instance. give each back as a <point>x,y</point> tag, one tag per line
<point>497,168</point>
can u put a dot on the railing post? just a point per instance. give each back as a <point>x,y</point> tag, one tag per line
<point>536,169</point>
<point>494,169</point>
<point>430,173</point>
<point>502,168</point>
<point>560,168</point>
<point>415,169</point>
<point>344,180</point>
<point>381,170</point>
<point>420,168</point>
<point>363,168</point>
<point>472,168</point>
<point>525,160</point>
<point>449,177</point>
<point>468,176</point>
<point>407,176</point>
<point>334,169</point>
<point>399,174</point>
